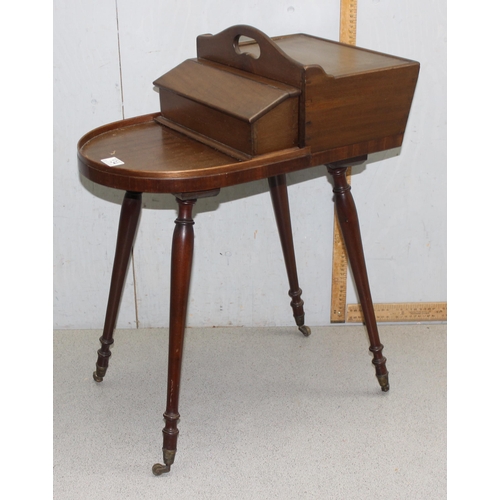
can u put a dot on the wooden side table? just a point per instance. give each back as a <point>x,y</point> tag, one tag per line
<point>139,155</point>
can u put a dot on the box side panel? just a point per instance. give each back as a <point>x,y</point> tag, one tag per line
<point>361,108</point>
<point>206,121</point>
<point>278,129</point>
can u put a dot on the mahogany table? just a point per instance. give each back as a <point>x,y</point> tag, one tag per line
<point>140,155</point>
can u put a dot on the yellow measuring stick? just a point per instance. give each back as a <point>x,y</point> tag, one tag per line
<point>405,311</point>
<point>348,21</point>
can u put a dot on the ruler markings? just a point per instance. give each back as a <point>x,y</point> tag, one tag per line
<point>339,275</point>
<point>348,21</point>
<point>404,311</point>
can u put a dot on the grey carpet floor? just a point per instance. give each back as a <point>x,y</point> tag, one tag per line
<point>265,414</point>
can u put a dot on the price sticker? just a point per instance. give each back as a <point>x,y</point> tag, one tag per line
<point>112,162</point>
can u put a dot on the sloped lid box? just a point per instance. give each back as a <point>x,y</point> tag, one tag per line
<point>239,113</point>
<point>265,94</point>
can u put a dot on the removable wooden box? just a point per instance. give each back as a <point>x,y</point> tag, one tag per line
<point>249,114</point>
<point>262,95</point>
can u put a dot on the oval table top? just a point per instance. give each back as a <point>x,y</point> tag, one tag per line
<point>139,154</point>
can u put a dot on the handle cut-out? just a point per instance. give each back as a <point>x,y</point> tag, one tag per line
<point>242,42</point>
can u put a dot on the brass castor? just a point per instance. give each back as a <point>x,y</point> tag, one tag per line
<point>383,380</point>
<point>306,331</point>
<point>99,373</point>
<point>159,469</point>
<point>168,458</point>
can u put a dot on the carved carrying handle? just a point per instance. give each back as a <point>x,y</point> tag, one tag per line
<point>271,63</point>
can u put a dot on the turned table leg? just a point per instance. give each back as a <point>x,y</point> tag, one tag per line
<point>279,196</point>
<point>129,219</point>
<point>349,225</point>
<point>182,256</point>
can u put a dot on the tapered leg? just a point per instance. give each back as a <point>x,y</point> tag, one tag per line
<point>182,256</point>
<point>349,225</point>
<point>129,219</point>
<point>279,196</point>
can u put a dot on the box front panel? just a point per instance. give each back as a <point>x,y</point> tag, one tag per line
<point>206,121</point>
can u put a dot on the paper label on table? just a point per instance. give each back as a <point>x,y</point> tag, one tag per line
<point>112,162</point>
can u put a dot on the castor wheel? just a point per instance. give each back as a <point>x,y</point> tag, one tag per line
<point>383,380</point>
<point>99,373</point>
<point>168,458</point>
<point>306,331</point>
<point>159,469</point>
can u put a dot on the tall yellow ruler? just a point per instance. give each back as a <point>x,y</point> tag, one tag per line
<point>348,20</point>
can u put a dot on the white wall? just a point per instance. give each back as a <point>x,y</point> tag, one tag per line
<point>106,55</point>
